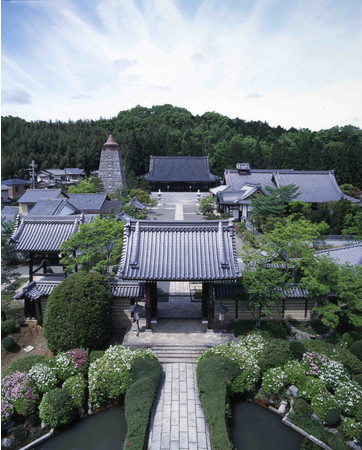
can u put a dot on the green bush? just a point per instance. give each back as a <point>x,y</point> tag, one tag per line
<point>213,376</point>
<point>356,349</point>
<point>139,399</point>
<point>20,433</point>
<point>297,349</point>
<point>301,408</point>
<point>8,343</point>
<point>311,387</point>
<point>27,362</point>
<point>76,388</point>
<point>78,313</point>
<point>326,408</point>
<point>295,373</point>
<point>94,355</point>
<point>20,321</point>
<point>8,327</point>
<point>350,337</point>
<point>273,328</point>
<point>276,354</point>
<point>308,445</point>
<point>358,379</point>
<point>56,408</point>
<point>34,419</point>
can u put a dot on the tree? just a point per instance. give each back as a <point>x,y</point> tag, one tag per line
<point>274,203</point>
<point>92,185</point>
<point>141,195</point>
<point>207,206</point>
<point>95,246</point>
<point>353,226</point>
<point>78,313</point>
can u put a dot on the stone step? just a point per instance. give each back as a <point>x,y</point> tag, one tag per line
<point>167,353</point>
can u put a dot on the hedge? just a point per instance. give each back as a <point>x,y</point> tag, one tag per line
<point>146,374</point>
<point>213,376</point>
<point>57,408</point>
<point>27,362</point>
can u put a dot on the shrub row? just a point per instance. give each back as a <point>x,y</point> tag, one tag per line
<point>213,376</point>
<point>146,374</point>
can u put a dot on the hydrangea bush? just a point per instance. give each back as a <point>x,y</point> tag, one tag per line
<point>44,377</point>
<point>110,376</point>
<point>295,373</point>
<point>274,380</point>
<point>246,354</point>
<point>18,390</point>
<point>348,396</point>
<point>311,388</point>
<point>71,363</point>
<point>313,363</point>
<point>351,428</point>
<point>76,388</point>
<point>333,374</point>
<point>323,404</point>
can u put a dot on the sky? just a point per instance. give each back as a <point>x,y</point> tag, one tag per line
<point>294,63</point>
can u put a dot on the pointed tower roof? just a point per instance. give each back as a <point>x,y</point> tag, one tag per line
<point>111,143</point>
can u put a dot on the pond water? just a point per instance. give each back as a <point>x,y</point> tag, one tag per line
<point>103,431</point>
<point>256,428</point>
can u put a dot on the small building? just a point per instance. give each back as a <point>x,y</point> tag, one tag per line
<point>9,213</point>
<point>48,178</point>
<point>136,204</point>
<point>32,196</point>
<point>5,194</point>
<point>180,174</point>
<point>16,187</point>
<point>53,207</point>
<point>111,168</point>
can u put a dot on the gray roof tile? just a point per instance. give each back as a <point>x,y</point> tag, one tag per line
<point>87,202</point>
<point>179,251</point>
<point>179,168</point>
<point>351,254</point>
<point>33,195</point>
<point>53,207</point>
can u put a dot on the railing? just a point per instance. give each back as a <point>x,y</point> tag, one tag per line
<point>250,226</point>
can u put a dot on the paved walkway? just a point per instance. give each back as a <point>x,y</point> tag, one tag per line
<point>178,420</point>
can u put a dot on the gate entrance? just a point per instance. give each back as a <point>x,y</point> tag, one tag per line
<point>178,300</point>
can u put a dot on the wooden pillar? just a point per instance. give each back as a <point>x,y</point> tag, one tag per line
<point>306,308</point>
<point>44,266</point>
<point>153,299</point>
<point>38,314</point>
<point>148,306</point>
<point>205,295</point>
<point>208,304</point>
<point>31,266</point>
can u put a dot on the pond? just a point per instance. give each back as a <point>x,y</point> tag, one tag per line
<point>103,431</point>
<point>256,428</point>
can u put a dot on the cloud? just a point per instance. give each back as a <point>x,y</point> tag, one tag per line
<point>254,94</point>
<point>81,97</point>
<point>122,64</point>
<point>18,97</point>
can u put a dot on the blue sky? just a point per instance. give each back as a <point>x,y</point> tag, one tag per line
<point>287,62</point>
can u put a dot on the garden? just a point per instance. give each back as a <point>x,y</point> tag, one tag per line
<point>315,384</point>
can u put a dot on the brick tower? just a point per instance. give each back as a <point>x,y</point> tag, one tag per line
<point>111,168</point>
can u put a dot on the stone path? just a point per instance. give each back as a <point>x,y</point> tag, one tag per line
<point>179,212</point>
<point>178,420</point>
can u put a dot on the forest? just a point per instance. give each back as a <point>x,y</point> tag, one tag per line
<point>172,131</point>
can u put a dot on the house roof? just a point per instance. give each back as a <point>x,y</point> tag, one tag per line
<point>67,170</point>
<point>125,217</point>
<point>53,207</point>
<point>10,211</point>
<point>44,234</point>
<point>111,204</point>
<point>15,182</point>
<point>228,197</point>
<point>134,202</point>
<point>179,251</point>
<point>179,169</point>
<point>45,286</point>
<point>314,186</point>
<point>351,254</point>
<point>235,181</point>
<point>33,195</point>
<point>87,202</point>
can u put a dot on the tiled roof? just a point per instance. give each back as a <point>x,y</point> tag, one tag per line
<point>236,181</point>
<point>229,197</point>
<point>179,168</point>
<point>33,195</point>
<point>351,254</point>
<point>53,207</point>
<point>67,170</point>
<point>87,202</point>
<point>314,186</point>
<point>179,251</point>
<point>44,234</point>
<point>45,286</point>
<point>125,217</point>
<point>10,211</point>
<point>138,205</point>
<point>15,182</point>
<point>111,204</point>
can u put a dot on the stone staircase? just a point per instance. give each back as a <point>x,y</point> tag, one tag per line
<point>171,353</point>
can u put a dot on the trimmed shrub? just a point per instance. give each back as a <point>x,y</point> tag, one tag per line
<point>358,379</point>
<point>8,343</point>
<point>8,327</point>
<point>71,363</point>
<point>76,388</point>
<point>348,396</point>
<point>301,408</point>
<point>94,355</point>
<point>356,349</point>
<point>146,373</point>
<point>351,428</point>
<point>78,313</point>
<point>297,349</point>
<point>295,373</point>
<point>276,354</point>
<point>56,408</point>
<point>110,376</point>
<point>17,389</point>
<point>44,377</point>
<point>20,433</point>
<point>20,321</point>
<point>311,388</point>
<point>213,376</point>
<point>308,445</point>
<point>326,408</point>
<point>27,362</point>
<point>350,337</point>
<point>274,380</point>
